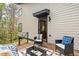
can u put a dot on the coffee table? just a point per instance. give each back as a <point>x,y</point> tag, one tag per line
<point>35,51</point>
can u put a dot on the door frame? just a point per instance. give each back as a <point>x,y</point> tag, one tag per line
<point>46,26</point>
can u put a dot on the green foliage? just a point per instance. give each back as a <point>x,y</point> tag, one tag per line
<point>2,5</point>
<point>6,34</point>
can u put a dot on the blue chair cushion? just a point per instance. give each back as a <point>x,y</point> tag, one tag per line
<point>12,47</point>
<point>67,40</point>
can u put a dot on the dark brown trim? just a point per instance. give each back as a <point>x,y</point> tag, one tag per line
<point>41,13</point>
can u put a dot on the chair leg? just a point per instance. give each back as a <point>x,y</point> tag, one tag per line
<point>55,48</point>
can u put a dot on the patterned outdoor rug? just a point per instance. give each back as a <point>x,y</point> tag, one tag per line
<point>49,52</point>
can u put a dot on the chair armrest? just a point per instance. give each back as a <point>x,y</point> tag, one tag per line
<point>58,41</point>
<point>66,45</point>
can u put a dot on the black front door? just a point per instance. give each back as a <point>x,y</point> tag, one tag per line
<point>42,27</point>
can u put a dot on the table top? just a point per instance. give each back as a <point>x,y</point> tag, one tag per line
<point>35,51</point>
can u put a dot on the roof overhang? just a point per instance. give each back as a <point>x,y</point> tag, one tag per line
<point>41,13</point>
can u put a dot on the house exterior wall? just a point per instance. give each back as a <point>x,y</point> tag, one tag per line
<point>64,21</point>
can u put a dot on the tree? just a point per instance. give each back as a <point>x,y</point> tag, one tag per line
<point>8,22</point>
